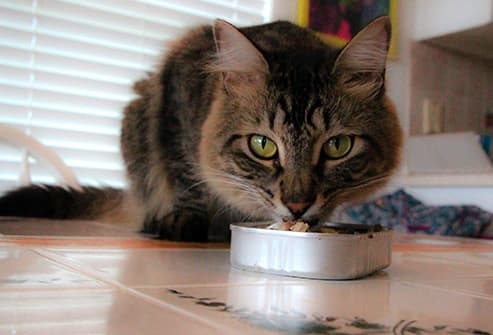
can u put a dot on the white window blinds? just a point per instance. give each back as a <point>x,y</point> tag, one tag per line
<point>67,66</point>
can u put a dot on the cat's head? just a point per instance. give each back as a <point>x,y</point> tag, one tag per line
<point>298,128</point>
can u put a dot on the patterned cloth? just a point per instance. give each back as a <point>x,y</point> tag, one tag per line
<point>402,212</point>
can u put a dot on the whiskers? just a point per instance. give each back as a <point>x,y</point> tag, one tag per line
<point>370,182</point>
<point>234,194</point>
<point>344,194</point>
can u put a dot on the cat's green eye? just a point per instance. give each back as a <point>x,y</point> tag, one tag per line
<point>262,146</point>
<point>338,146</point>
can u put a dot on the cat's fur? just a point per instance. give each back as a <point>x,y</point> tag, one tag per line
<point>185,138</point>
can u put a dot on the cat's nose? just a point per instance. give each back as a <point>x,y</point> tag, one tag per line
<point>298,208</point>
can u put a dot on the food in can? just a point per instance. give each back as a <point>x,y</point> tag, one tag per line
<point>298,226</point>
<point>325,228</point>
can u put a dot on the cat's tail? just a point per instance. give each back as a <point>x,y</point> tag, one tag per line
<point>55,202</point>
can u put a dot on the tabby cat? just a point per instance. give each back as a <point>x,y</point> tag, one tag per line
<point>263,122</point>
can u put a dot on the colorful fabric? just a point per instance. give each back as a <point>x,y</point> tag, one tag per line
<point>402,212</point>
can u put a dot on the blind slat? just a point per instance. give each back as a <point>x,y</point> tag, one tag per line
<point>42,174</point>
<point>75,49</point>
<point>63,83</point>
<point>50,135</point>
<point>11,154</point>
<point>19,111</point>
<point>70,66</point>
<point>210,10</point>
<point>73,155</point>
<point>76,163</point>
<point>51,100</point>
<point>62,27</point>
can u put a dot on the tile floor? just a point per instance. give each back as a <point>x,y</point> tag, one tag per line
<point>122,283</point>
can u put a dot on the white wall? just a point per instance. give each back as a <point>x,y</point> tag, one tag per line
<point>439,17</point>
<point>399,68</point>
<point>284,10</point>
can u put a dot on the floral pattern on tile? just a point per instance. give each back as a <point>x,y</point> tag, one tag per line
<point>296,322</point>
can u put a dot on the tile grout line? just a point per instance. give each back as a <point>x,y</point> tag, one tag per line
<point>68,264</point>
<point>215,285</point>
<point>447,290</point>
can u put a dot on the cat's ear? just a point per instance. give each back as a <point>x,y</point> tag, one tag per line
<point>360,67</point>
<point>240,62</point>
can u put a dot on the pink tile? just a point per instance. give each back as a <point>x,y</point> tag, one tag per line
<point>24,269</point>
<point>417,267</point>
<point>482,287</point>
<point>283,308</point>
<point>484,259</point>
<point>436,306</point>
<point>91,312</point>
<point>162,267</point>
<point>345,307</point>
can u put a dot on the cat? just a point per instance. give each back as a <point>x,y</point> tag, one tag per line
<point>266,122</point>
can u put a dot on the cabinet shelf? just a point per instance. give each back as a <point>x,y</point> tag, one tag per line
<point>444,180</point>
<point>477,42</point>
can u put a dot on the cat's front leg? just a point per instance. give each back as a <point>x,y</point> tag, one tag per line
<point>177,211</point>
<point>187,221</point>
<point>183,224</point>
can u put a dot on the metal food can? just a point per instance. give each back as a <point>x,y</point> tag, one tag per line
<point>354,253</point>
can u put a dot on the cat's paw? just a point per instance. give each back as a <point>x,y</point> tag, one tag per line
<point>183,226</point>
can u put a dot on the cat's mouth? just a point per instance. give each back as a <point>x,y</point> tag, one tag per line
<point>312,222</point>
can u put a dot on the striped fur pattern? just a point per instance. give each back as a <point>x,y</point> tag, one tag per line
<point>185,139</point>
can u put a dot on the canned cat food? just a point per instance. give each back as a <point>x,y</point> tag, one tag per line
<point>326,251</point>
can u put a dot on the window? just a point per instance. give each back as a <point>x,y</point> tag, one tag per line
<point>67,66</point>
